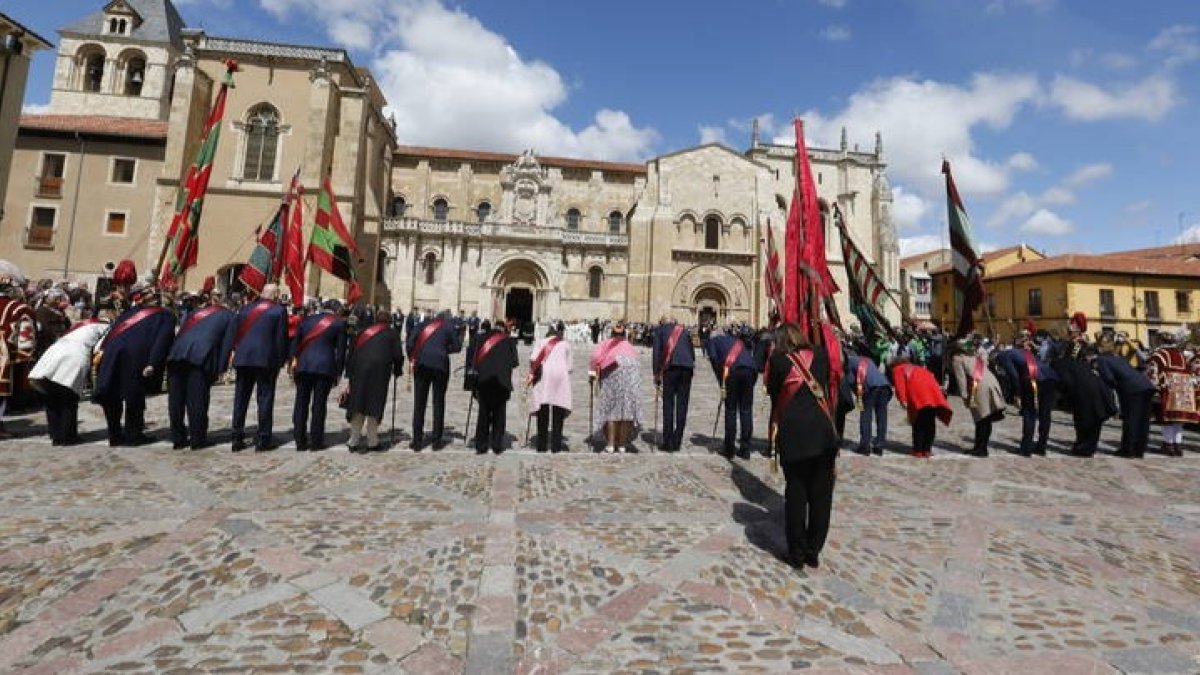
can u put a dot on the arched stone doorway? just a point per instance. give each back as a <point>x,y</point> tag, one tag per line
<point>519,289</point>
<point>712,305</point>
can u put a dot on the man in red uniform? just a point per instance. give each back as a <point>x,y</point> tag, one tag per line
<point>18,340</point>
<point>1168,370</point>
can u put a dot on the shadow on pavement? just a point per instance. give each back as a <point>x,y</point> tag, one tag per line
<point>761,514</point>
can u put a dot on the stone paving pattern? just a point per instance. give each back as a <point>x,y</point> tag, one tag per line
<point>148,560</point>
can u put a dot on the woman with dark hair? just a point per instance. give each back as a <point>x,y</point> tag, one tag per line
<point>921,395</point>
<point>803,435</point>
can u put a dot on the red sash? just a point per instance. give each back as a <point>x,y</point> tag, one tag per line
<point>138,317</point>
<point>799,376</point>
<point>734,352</point>
<point>543,354</point>
<point>197,317</point>
<point>422,337</point>
<point>977,371</point>
<point>365,336</point>
<point>322,325</point>
<point>81,324</point>
<point>669,353</point>
<point>860,375</point>
<point>251,318</point>
<point>488,345</point>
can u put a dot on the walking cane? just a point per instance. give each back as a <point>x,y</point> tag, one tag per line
<point>467,426</point>
<point>720,403</point>
<point>528,415</point>
<point>657,393</point>
<point>395,381</point>
<point>591,399</point>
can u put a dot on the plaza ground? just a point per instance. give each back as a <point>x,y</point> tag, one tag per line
<point>149,560</point>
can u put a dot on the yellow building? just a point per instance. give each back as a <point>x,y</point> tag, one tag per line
<point>943,311</point>
<point>1141,292</point>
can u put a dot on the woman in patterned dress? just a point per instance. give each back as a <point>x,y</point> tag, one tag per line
<point>615,363</point>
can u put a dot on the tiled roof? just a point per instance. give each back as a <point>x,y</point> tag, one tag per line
<point>922,257</point>
<point>160,23</point>
<point>97,124</point>
<point>483,156</point>
<point>1125,263</point>
<point>11,25</point>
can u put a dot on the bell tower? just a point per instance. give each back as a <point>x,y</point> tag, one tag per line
<point>118,61</point>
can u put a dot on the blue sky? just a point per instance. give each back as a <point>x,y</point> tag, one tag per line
<point>1072,125</point>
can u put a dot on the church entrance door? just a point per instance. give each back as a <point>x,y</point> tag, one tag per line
<point>518,305</point>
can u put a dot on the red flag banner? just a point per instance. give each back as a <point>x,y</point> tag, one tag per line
<point>264,260</point>
<point>965,259</point>
<point>773,279</point>
<point>181,247</point>
<point>293,242</point>
<point>330,244</point>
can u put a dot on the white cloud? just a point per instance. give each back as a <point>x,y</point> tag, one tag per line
<point>1046,222</point>
<point>1002,6</point>
<point>1022,161</point>
<point>473,89</point>
<point>1058,196</point>
<point>1149,99</point>
<point>1014,206</point>
<point>1110,60</point>
<point>922,120</point>
<point>712,135</point>
<point>835,4</point>
<point>920,244</point>
<point>1087,174</point>
<point>908,209</point>
<point>1181,44</point>
<point>1189,236</point>
<point>836,33</point>
<point>35,108</point>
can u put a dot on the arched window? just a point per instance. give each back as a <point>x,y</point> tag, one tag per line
<point>712,232</point>
<point>430,270</point>
<point>615,220</point>
<point>441,209</point>
<point>135,75</point>
<point>483,211</point>
<point>262,143</point>
<point>92,62</point>
<point>381,267</point>
<point>399,206</point>
<point>573,217</point>
<point>595,278</point>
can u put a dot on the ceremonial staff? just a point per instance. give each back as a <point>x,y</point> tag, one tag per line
<point>392,434</point>
<point>591,398</point>
<point>467,426</point>
<point>720,403</point>
<point>657,393</point>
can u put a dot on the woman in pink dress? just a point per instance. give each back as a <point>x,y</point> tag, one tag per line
<point>615,363</point>
<point>550,377</point>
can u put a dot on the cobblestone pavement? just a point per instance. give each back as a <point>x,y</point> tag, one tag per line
<point>148,560</point>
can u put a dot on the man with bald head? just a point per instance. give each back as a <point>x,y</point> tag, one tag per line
<point>260,348</point>
<point>673,361</point>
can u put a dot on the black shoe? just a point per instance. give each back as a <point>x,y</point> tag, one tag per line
<point>416,445</point>
<point>238,445</point>
<point>317,445</point>
<point>265,446</point>
<point>355,449</point>
<point>71,440</point>
<point>744,453</point>
<point>541,450</point>
<point>201,445</point>
<point>301,445</point>
<point>1082,453</point>
<point>439,443</point>
<point>140,439</point>
<point>812,560</point>
<point>864,451</point>
<point>179,445</point>
<point>377,448</point>
<point>481,451</point>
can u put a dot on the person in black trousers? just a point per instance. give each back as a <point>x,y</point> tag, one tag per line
<point>494,358</point>
<point>429,346</point>
<point>1135,393</point>
<point>804,436</point>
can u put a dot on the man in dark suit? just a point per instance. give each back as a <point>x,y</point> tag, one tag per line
<point>494,357</point>
<point>429,346</point>
<point>673,363</point>
<point>733,362</point>
<point>1037,387</point>
<point>1135,396</point>
<point>318,359</point>
<point>133,354</point>
<point>260,348</point>
<point>198,357</point>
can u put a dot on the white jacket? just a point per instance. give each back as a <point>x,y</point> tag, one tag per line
<point>68,361</point>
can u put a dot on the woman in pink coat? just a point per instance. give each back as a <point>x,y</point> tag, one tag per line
<point>550,376</point>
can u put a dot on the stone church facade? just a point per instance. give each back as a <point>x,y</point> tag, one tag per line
<point>523,236</point>
<point>681,235</point>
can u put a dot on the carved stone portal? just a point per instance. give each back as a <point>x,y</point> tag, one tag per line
<point>524,183</point>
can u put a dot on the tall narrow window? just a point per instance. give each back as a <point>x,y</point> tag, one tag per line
<point>135,76</point>
<point>1035,302</point>
<point>51,181</point>
<point>262,143</point>
<point>441,210</point>
<point>1183,303</point>
<point>1152,309</point>
<point>573,217</point>
<point>1108,304</point>
<point>483,211</point>
<point>93,70</point>
<point>41,227</point>
<point>430,268</point>
<point>615,221</point>
<point>712,232</point>
<point>595,279</point>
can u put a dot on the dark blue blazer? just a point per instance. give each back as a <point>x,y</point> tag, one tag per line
<point>436,351</point>
<point>326,355</point>
<point>718,350</point>
<point>265,344</point>
<point>127,355</point>
<point>874,377</point>
<point>1122,377</point>
<point>683,357</point>
<point>206,344</point>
